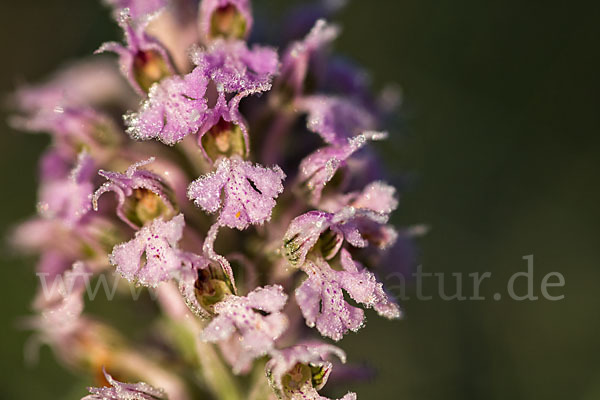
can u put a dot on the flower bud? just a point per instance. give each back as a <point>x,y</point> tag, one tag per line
<point>229,19</point>
<point>145,206</point>
<point>211,287</point>
<point>149,67</point>
<point>227,22</point>
<point>225,139</point>
<point>142,195</point>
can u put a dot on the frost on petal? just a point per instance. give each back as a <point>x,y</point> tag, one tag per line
<point>152,256</point>
<point>68,198</point>
<point>235,68</point>
<point>225,18</point>
<point>321,297</point>
<point>363,287</point>
<point>298,372</point>
<point>224,132</point>
<point>249,192</point>
<point>324,233</point>
<point>137,8</point>
<point>143,60</point>
<point>377,196</point>
<point>321,300</point>
<point>175,107</point>
<point>153,197</point>
<point>246,316</point>
<point>302,235</point>
<point>203,283</point>
<point>235,355</point>
<point>318,168</point>
<point>361,227</point>
<point>299,56</point>
<point>231,71</point>
<point>335,119</point>
<point>124,391</point>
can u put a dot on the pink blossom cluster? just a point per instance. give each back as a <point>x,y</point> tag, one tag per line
<point>191,166</point>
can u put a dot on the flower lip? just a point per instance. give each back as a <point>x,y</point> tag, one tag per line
<point>319,167</point>
<point>124,391</point>
<point>256,318</point>
<point>152,256</point>
<point>225,73</point>
<point>302,369</point>
<point>249,192</point>
<point>143,60</point>
<point>141,194</point>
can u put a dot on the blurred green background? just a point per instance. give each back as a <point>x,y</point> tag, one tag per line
<point>501,135</point>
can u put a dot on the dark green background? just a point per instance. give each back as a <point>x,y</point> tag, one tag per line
<point>501,133</point>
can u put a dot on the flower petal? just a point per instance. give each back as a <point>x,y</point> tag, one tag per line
<point>335,119</point>
<point>240,314</point>
<point>249,192</point>
<point>318,168</point>
<point>158,242</point>
<point>175,107</point>
<point>124,391</point>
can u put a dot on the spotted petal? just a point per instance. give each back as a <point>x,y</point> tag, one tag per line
<point>143,60</point>
<point>249,192</point>
<point>152,256</point>
<point>124,391</point>
<point>243,315</point>
<point>124,185</point>
<point>335,119</point>
<point>318,168</point>
<point>298,372</point>
<point>175,107</point>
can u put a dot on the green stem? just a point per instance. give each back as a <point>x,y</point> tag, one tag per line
<point>216,375</point>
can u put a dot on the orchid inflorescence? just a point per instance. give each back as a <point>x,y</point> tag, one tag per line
<point>175,181</point>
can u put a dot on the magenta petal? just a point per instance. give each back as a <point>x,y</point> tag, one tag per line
<point>187,280</point>
<point>137,8</point>
<point>209,7</point>
<point>302,235</point>
<point>286,363</point>
<point>321,297</point>
<point>235,68</point>
<point>240,314</point>
<point>175,108</point>
<point>321,300</point>
<point>158,242</point>
<point>318,168</point>
<point>335,119</point>
<point>124,391</point>
<point>69,198</point>
<point>138,42</point>
<point>363,226</point>
<point>377,196</point>
<point>363,287</point>
<point>359,227</point>
<point>298,56</point>
<point>123,184</point>
<point>249,192</point>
